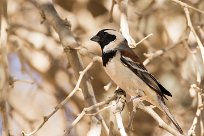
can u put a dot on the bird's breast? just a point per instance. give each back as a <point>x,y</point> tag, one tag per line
<point>124,77</point>
<point>129,81</point>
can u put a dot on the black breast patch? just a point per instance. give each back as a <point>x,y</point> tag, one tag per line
<point>108,56</point>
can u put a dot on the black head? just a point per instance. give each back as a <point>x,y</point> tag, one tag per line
<point>104,37</point>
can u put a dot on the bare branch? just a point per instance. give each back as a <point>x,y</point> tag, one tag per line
<point>131,118</point>
<point>69,43</point>
<point>4,73</point>
<point>152,113</point>
<point>188,6</point>
<point>118,108</point>
<point>123,5</point>
<point>143,39</point>
<point>60,105</point>
<point>191,131</point>
<point>87,110</point>
<point>189,23</point>
<point>160,52</point>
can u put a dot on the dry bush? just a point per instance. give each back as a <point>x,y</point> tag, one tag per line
<point>39,65</point>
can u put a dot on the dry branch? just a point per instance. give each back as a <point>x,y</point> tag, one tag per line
<point>151,112</point>
<point>191,131</point>
<point>62,27</point>
<point>4,73</point>
<point>60,105</point>
<point>124,28</point>
<point>87,110</point>
<point>188,6</point>
<point>190,25</point>
<point>153,55</point>
<point>119,104</point>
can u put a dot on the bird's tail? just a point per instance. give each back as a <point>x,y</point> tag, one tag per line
<point>171,117</point>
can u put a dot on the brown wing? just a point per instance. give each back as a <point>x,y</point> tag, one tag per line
<point>131,60</point>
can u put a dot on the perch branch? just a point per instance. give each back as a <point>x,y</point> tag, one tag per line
<point>118,107</point>
<point>131,118</point>
<point>86,112</point>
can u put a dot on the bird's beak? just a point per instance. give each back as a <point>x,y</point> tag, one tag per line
<point>95,38</point>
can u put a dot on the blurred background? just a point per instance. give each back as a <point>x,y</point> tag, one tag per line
<point>41,76</point>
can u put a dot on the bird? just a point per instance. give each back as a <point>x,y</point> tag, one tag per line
<point>125,69</point>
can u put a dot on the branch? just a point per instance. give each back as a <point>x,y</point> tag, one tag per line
<point>119,104</point>
<point>189,23</point>
<point>123,5</point>
<point>191,131</point>
<point>131,118</point>
<point>151,56</point>
<point>188,6</point>
<point>143,39</point>
<point>151,112</point>
<point>69,43</point>
<point>4,73</point>
<point>86,112</point>
<point>61,104</point>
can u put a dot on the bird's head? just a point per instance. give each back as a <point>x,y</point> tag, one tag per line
<point>108,38</point>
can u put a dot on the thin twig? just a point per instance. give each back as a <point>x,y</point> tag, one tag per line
<point>160,52</point>
<point>86,110</point>
<point>188,6</point>
<point>191,131</point>
<point>100,110</point>
<point>198,91</point>
<point>61,104</point>
<point>143,39</point>
<point>189,23</point>
<point>152,113</point>
<point>69,43</point>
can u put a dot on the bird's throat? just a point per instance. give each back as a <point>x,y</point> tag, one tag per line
<point>107,56</point>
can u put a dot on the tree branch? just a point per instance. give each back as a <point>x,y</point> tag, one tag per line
<point>123,5</point>
<point>4,73</point>
<point>151,112</point>
<point>191,131</point>
<point>119,104</point>
<point>189,23</point>
<point>188,6</point>
<point>61,104</point>
<point>69,43</point>
<point>87,110</point>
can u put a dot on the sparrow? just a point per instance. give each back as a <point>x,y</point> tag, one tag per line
<point>124,67</point>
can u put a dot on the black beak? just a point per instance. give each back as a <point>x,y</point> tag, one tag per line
<point>95,38</point>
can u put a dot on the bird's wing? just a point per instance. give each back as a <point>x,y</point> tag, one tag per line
<point>131,60</point>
